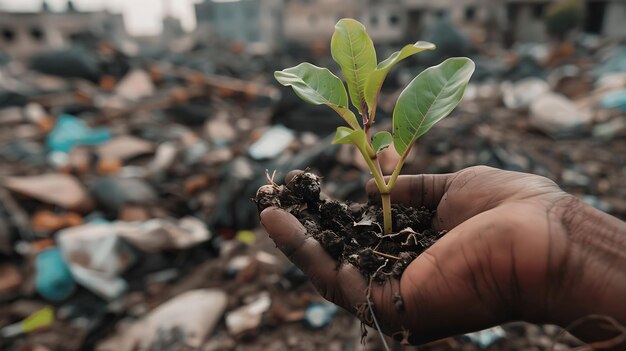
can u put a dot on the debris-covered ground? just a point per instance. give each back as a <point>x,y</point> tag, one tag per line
<point>126,219</point>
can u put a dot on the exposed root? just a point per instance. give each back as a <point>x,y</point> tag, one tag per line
<point>369,304</point>
<point>382,254</point>
<point>270,179</point>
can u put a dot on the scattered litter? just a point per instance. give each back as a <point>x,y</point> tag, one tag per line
<point>272,143</point>
<point>69,132</point>
<point>56,189</point>
<point>248,317</point>
<point>37,321</point>
<point>487,337</point>
<point>159,234</point>
<point>318,315</point>
<point>557,116</point>
<point>192,315</point>
<point>53,279</point>
<point>97,257</point>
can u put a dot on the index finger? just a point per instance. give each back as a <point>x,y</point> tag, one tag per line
<point>342,284</point>
<point>414,190</point>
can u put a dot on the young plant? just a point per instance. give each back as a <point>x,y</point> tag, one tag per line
<point>428,98</point>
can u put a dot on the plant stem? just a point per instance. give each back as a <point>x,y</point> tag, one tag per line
<point>385,198</point>
<point>378,177</point>
<point>380,183</point>
<point>396,171</point>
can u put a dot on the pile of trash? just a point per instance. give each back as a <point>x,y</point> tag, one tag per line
<point>125,213</point>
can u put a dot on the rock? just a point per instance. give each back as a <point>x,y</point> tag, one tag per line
<point>34,113</point>
<point>11,115</point>
<point>58,189</point>
<point>220,130</point>
<point>557,116</point>
<point>164,157</point>
<point>48,221</point>
<point>24,151</point>
<point>69,63</point>
<point>192,316</point>
<point>136,85</point>
<point>10,280</point>
<point>125,147</point>
<point>115,192</point>
<point>609,130</point>
<point>575,178</point>
<point>11,98</point>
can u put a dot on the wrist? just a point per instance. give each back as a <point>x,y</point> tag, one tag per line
<point>591,277</point>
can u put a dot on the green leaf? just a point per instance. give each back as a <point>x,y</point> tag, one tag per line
<point>381,141</point>
<point>377,77</point>
<point>346,135</point>
<point>431,96</point>
<point>318,86</point>
<point>353,49</point>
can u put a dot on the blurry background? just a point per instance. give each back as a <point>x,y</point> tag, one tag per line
<point>133,135</point>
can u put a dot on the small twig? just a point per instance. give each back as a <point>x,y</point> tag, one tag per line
<point>382,254</point>
<point>369,305</point>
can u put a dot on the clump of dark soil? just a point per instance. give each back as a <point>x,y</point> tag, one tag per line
<point>353,232</point>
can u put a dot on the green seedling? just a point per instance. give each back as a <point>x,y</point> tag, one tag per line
<point>431,96</point>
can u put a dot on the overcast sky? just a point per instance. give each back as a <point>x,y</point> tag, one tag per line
<point>142,17</point>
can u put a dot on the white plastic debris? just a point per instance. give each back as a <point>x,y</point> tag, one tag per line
<point>135,85</point>
<point>521,94</point>
<point>96,257</point>
<point>272,143</point>
<point>248,317</point>
<point>160,234</point>
<point>556,115</point>
<point>194,314</point>
<point>487,337</point>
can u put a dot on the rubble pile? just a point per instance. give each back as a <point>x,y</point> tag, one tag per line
<point>125,213</point>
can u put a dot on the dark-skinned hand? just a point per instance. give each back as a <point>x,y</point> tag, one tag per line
<point>518,248</point>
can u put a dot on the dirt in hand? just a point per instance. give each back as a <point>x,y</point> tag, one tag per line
<point>354,232</point>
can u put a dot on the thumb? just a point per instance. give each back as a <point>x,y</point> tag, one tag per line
<point>460,284</point>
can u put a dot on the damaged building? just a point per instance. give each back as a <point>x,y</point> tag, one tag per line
<point>245,21</point>
<point>25,33</point>
<point>311,22</point>
<point>525,19</point>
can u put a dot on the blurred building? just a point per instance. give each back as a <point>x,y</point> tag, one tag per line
<point>313,21</point>
<point>386,20</point>
<point>25,33</point>
<point>245,21</point>
<point>603,17</point>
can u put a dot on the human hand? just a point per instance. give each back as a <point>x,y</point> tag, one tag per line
<point>518,248</point>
